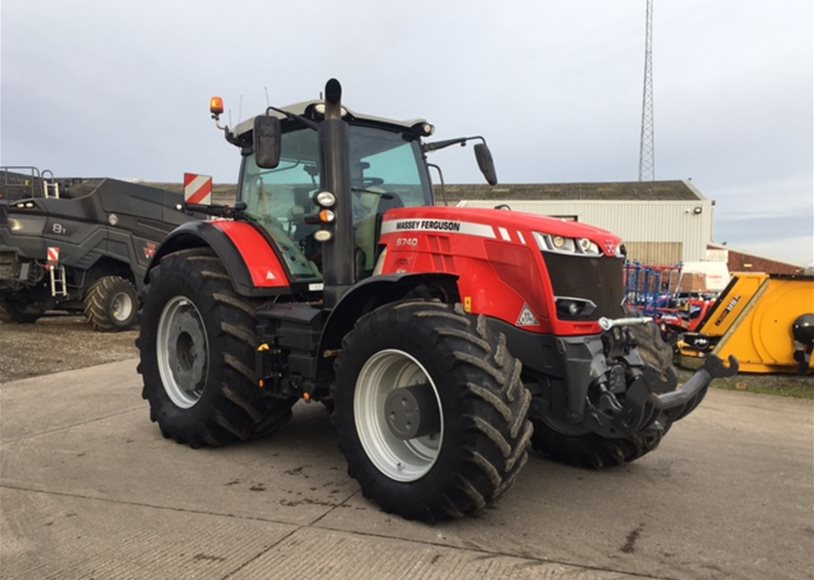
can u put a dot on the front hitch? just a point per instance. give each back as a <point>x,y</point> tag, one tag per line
<point>714,368</point>
<point>651,399</point>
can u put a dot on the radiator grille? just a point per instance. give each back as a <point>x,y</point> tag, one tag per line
<point>599,280</point>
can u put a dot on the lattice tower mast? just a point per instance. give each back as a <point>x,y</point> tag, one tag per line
<point>647,144</point>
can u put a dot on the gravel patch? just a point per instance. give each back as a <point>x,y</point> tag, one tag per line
<point>59,343</point>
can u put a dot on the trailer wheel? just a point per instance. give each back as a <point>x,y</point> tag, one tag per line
<point>596,452</point>
<point>111,304</point>
<point>430,410</point>
<point>197,346</point>
<point>12,312</point>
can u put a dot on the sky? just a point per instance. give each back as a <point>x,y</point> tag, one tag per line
<point>121,89</point>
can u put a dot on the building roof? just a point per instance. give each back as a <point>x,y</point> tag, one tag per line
<point>600,191</point>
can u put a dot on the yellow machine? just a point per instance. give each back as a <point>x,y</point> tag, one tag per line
<point>765,321</point>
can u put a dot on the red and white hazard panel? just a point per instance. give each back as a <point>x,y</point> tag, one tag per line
<point>197,188</point>
<point>53,255</point>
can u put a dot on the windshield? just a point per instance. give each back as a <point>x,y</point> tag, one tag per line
<point>387,171</point>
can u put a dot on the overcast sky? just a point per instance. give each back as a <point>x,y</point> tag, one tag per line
<point>121,89</point>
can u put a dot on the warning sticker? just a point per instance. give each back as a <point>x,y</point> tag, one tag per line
<point>527,317</point>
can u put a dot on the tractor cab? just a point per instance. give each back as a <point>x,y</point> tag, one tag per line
<point>386,170</point>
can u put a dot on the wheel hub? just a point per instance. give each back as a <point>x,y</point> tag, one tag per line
<point>182,351</point>
<point>412,412</point>
<point>122,307</point>
<point>397,414</point>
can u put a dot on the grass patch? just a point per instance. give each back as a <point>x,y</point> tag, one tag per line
<point>794,386</point>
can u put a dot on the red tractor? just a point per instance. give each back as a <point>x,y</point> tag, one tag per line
<point>443,340</point>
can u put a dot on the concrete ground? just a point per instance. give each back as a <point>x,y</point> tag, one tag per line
<point>90,489</point>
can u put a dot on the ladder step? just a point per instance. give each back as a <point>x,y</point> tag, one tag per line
<point>59,285</point>
<point>51,189</point>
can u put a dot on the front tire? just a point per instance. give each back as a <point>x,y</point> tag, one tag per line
<point>594,451</point>
<point>459,437</point>
<point>197,347</point>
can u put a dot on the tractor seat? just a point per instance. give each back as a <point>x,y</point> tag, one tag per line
<point>369,229</point>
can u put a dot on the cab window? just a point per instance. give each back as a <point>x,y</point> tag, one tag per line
<point>279,198</point>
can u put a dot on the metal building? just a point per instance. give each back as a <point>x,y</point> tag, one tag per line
<point>661,222</point>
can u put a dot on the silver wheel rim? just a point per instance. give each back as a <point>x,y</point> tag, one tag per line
<point>121,307</point>
<point>182,351</point>
<point>400,460</point>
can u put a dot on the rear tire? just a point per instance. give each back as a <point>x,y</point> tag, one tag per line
<point>111,304</point>
<point>480,435</point>
<point>197,346</point>
<point>14,313</point>
<point>594,451</point>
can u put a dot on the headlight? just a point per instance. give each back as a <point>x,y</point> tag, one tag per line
<point>562,245</point>
<point>569,307</point>
<point>588,247</point>
<point>325,199</point>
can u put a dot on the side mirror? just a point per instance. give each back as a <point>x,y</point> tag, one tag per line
<point>485,163</point>
<point>267,141</point>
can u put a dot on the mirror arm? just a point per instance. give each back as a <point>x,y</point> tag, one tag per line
<point>441,178</point>
<point>435,146</point>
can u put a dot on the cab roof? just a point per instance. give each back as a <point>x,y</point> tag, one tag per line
<point>308,108</point>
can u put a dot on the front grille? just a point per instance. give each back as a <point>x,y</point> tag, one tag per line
<point>599,280</point>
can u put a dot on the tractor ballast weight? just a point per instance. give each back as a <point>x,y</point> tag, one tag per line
<point>444,340</point>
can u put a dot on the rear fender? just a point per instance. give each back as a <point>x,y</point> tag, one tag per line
<point>249,259</point>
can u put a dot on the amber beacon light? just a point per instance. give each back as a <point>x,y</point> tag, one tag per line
<point>216,106</point>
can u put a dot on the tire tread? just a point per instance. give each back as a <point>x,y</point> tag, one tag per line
<point>496,432</point>
<point>235,411</point>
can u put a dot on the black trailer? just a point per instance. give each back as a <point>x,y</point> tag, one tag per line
<point>82,245</point>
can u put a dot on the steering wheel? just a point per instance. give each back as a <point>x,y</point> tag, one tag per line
<point>372,181</point>
<point>384,194</point>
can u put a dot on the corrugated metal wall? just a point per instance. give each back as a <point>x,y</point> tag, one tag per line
<point>659,230</point>
<point>655,253</point>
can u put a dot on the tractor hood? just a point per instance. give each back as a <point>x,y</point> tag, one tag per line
<point>509,226</point>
